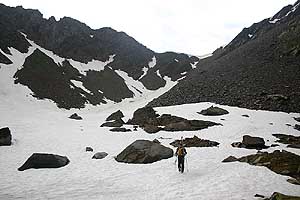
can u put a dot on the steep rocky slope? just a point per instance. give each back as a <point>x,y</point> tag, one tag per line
<point>258,69</point>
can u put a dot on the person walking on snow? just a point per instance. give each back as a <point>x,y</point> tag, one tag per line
<point>180,153</point>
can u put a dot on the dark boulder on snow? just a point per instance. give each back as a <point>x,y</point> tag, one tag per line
<point>120,129</point>
<point>118,115</point>
<point>279,196</point>
<point>5,137</point>
<point>213,111</point>
<point>245,115</point>
<point>230,159</point>
<point>292,141</point>
<point>280,162</point>
<point>75,116</point>
<point>43,160</point>
<point>189,125</point>
<point>115,123</point>
<point>297,127</point>
<point>195,142</point>
<point>89,149</point>
<point>143,152</point>
<point>99,155</point>
<point>250,142</point>
<point>143,116</point>
<point>151,128</point>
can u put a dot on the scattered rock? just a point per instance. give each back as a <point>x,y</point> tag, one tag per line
<point>279,196</point>
<point>43,160</point>
<point>274,145</point>
<point>297,119</point>
<point>142,116</point>
<point>271,123</point>
<point>245,115</point>
<point>292,141</point>
<point>293,181</point>
<point>280,162</point>
<point>230,159</point>
<point>75,116</point>
<point>288,124</point>
<point>297,127</point>
<point>143,152</point>
<point>118,115</point>
<point>99,155</point>
<point>120,130</point>
<point>222,119</point>
<point>156,141</point>
<point>166,119</point>
<point>195,142</point>
<point>116,123</point>
<point>89,149</point>
<point>250,142</point>
<point>213,111</point>
<point>151,128</point>
<point>260,196</point>
<point>5,137</point>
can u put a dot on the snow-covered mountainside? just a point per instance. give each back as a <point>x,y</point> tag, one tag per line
<point>258,69</point>
<point>74,65</point>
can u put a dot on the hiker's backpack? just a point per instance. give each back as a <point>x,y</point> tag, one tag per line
<point>180,151</point>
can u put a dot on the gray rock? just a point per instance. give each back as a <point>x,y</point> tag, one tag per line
<point>297,127</point>
<point>120,130</point>
<point>189,125</point>
<point>297,119</point>
<point>195,142</point>
<point>75,116</point>
<point>115,116</point>
<point>89,149</point>
<point>151,128</point>
<point>43,160</point>
<point>5,137</point>
<point>253,142</point>
<point>230,159</point>
<point>143,152</point>
<point>116,123</point>
<point>213,111</point>
<point>142,116</point>
<point>99,155</point>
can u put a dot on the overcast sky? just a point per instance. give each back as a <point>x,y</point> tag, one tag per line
<point>191,26</point>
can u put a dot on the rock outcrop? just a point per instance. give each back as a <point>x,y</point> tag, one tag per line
<point>99,155</point>
<point>75,116</point>
<point>213,111</point>
<point>43,160</point>
<point>143,152</point>
<point>195,142</point>
<point>250,142</point>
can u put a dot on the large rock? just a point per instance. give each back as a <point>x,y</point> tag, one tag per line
<point>75,116</point>
<point>151,128</point>
<point>250,142</point>
<point>99,155</point>
<point>120,129</point>
<point>280,162</point>
<point>43,160</point>
<point>279,196</point>
<point>292,141</point>
<point>115,123</point>
<point>143,152</point>
<point>213,111</point>
<point>142,116</point>
<point>5,137</point>
<point>195,142</point>
<point>189,125</point>
<point>118,115</point>
<point>166,119</point>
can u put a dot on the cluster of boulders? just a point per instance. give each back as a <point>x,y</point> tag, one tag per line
<point>5,137</point>
<point>144,152</point>
<point>194,142</point>
<point>250,142</point>
<point>213,111</point>
<point>280,162</point>
<point>152,123</point>
<point>290,140</point>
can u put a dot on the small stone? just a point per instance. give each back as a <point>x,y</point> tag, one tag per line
<point>89,149</point>
<point>99,155</point>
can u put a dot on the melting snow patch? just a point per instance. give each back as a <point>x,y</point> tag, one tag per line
<point>176,60</point>
<point>194,65</point>
<point>152,63</point>
<point>158,74</point>
<point>80,85</point>
<point>91,36</point>
<point>250,35</point>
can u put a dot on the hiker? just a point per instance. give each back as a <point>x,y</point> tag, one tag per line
<point>180,153</point>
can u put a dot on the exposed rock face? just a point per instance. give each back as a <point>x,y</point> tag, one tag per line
<point>292,141</point>
<point>99,155</point>
<point>297,119</point>
<point>143,152</point>
<point>213,111</point>
<point>5,137</point>
<point>230,159</point>
<point>75,116</point>
<point>250,142</point>
<point>42,160</point>
<point>189,125</point>
<point>118,115</point>
<point>195,142</point>
<point>258,69</point>
<point>120,130</point>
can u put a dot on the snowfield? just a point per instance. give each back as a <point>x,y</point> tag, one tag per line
<point>38,126</point>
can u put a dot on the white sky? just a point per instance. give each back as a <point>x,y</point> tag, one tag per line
<point>191,26</point>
